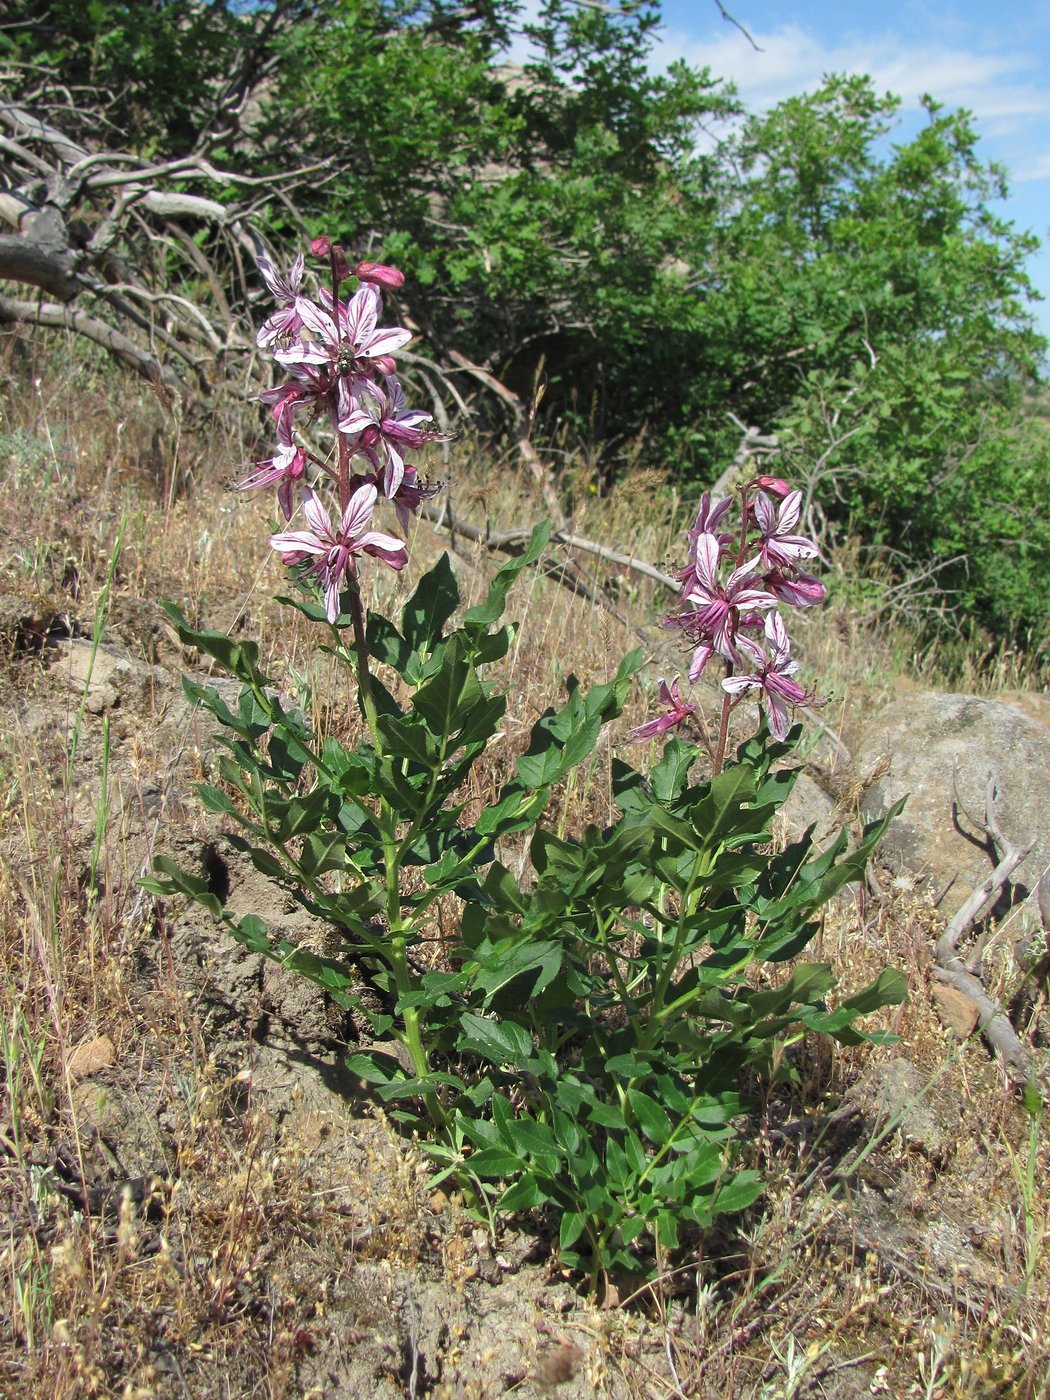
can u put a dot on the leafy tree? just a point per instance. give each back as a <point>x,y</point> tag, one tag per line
<point>163,72</point>
<point>884,289</point>
<point>537,210</point>
<point>860,298</point>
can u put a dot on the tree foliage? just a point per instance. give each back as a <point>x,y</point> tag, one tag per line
<point>661,259</point>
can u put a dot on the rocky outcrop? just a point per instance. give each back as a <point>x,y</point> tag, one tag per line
<point>942,750</point>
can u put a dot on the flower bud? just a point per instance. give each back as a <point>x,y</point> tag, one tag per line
<point>775,485</point>
<point>323,247</point>
<point>385,364</point>
<point>380,274</point>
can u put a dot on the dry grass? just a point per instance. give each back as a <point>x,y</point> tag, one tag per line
<point>174,1228</point>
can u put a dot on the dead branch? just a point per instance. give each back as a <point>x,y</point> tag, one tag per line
<point>1010,857</point>
<point>994,1023</point>
<point>36,265</point>
<point>442,516</point>
<point>753,443</point>
<point>108,226</point>
<point>123,349</point>
<point>965,977</point>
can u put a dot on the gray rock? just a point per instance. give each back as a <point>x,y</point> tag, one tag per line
<point>808,806</point>
<point>928,738</point>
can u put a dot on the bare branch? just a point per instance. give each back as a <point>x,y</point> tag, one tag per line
<point>53,271</point>
<point>753,443</point>
<point>994,1023</point>
<point>730,19</point>
<point>68,318</point>
<point>500,539</point>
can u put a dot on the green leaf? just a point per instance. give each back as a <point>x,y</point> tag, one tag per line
<point>719,814</point>
<point>386,644</point>
<point>446,700</point>
<point>808,983</point>
<point>479,618</point>
<point>890,988</point>
<point>405,737</point>
<point>671,774</point>
<point>502,1042</point>
<point>739,1193</point>
<point>635,1153</point>
<point>252,932</point>
<point>549,757</point>
<point>419,1086</point>
<point>374,1067</point>
<point>215,800</point>
<point>437,989</point>
<point>607,1115</point>
<point>241,659</point>
<point>430,607</point>
<point>495,1162</point>
<point>632,1228</point>
<point>537,1141</point>
<point>255,720</point>
<point>526,1194</point>
<point>650,1117</point>
<point>501,964</point>
<point>573,1223</point>
<point>180,881</point>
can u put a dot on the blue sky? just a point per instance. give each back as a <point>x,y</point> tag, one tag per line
<point>991,58</point>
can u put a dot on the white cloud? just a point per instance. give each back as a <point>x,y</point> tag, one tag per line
<point>792,60</point>
<point>1036,169</point>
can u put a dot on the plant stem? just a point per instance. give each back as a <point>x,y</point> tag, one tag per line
<point>364,675</point>
<point>723,727</point>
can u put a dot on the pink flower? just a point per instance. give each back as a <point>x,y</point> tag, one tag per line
<point>333,254</point>
<point>333,551</point>
<point>715,614</point>
<point>775,485</point>
<point>772,676</point>
<point>288,320</point>
<point>411,494</point>
<point>285,400</point>
<point>676,711</point>
<point>794,587</point>
<point>780,548</point>
<point>395,426</point>
<point>284,469</point>
<point>707,519</point>
<point>344,349</point>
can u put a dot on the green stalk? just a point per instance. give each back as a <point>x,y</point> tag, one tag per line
<point>397,957</point>
<point>723,727</point>
<point>671,962</point>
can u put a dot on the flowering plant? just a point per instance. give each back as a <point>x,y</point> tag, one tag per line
<point>725,619</point>
<point>578,1053</point>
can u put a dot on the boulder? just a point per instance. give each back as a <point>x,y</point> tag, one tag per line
<point>931,737</point>
<point>808,806</point>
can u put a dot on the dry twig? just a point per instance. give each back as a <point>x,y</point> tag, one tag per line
<point>965,977</point>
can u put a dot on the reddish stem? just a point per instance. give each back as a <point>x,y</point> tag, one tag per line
<point>723,726</point>
<point>364,675</point>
